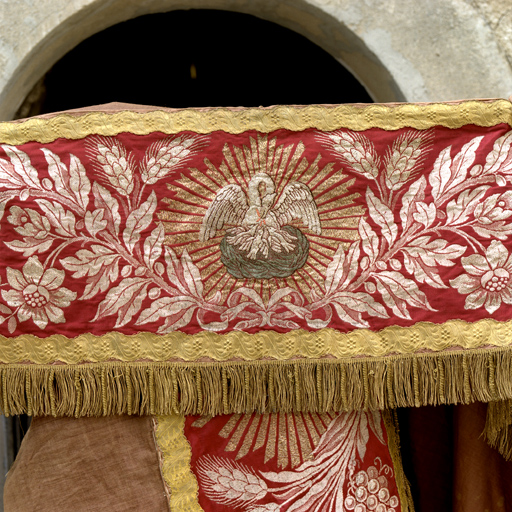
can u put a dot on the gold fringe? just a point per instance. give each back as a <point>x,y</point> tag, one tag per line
<point>404,489</point>
<point>498,427</point>
<point>103,389</point>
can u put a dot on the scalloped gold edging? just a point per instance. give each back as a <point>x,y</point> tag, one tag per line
<point>145,388</point>
<point>404,489</point>
<point>238,345</point>
<point>175,464</point>
<point>325,118</point>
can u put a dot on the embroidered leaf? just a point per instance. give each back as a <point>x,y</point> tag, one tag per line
<point>342,269</point>
<point>360,302</point>
<point>153,245</point>
<point>459,210</point>
<point>500,158</point>
<point>448,173</point>
<point>139,220</point>
<point>62,220</point>
<point>79,183</point>
<point>30,245</point>
<point>382,216</point>
<point>414,194</point>
<point>397,292</point>
<point>124,299</point>
<point>435,252</point>
<point>73,183</point>
<point>94,221</point>
<point>165,307</point>
<point>191,275</point>
<point>425,213</point>
<point>103,199</point>
<point>500,229</point>
<point>99,263</point>
<point>422,272</point>
<point>175,322</point>
<point>370,240</point>
<point>19,172</point>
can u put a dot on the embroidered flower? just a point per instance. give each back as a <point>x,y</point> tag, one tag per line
<point>495,208</point>
<point>37,293</point>
<point>29,222</point>
<point>488,280</point>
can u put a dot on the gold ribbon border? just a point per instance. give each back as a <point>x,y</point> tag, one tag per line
<point>264,345</point>
<point>326,118</point>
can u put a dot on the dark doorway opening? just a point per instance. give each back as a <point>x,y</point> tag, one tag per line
<point>191,59</point>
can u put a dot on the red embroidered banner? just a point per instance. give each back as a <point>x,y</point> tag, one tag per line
<point>315,258</point>
<point>256,232</point>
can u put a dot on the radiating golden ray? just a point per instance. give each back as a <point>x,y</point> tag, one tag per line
<point>262,432</point>
<point>191,196</point>
<point>341,212</point>
<point>318,261</point>
<point>324,258</point>
<point>239,153</point>
<point>208,179</point>
<point>277,159</point>
<point>305,444</point>
<point>248,438</point>
<point>325,180</point>
<point>319,424</point>
<point>330,185</point>
<point>317,178</point>
<point>212,269</point>
<point>270,156</point>
<point>230,425</point>
<point>197,186</point>
<point>285,156</point>
<point>254,154</point>
<point>249,161</point>
<point>272,287</point>
<point>312,169</point>
<point>217,285</point>
<point>289,168</point>
<point>234,441</point>
<point>201,421</point>
<point>216,173</point>
<point>299,285</point>
<point>293,450</point>
<point>282,447</point>
<point>312,430</point>
<point>346,223</point>
<point>263,151</point>
<point>233,168</point>
<point>178,204</point>
<point>322,247</point>
<point>311,279</point>
<point>270,449</point>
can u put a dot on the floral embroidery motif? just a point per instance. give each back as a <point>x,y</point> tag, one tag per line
<point>37,293</point>
<point>349,266</point>
<point>488,279</point>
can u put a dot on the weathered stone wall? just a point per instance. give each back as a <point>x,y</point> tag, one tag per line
<point>399,49</point>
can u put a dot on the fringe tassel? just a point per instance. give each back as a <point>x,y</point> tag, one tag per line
<point>498,427</point>
<point>104,389</point>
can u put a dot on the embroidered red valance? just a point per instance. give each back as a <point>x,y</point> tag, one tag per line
<point>320,258</point>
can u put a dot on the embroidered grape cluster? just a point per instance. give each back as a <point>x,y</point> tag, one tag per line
<point>368,491</point>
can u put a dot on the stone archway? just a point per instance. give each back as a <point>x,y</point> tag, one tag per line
<point>400,50</point>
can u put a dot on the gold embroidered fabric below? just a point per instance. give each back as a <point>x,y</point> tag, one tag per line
<point>238,345</point>
<point>326,118</point>
<point>176,454</point>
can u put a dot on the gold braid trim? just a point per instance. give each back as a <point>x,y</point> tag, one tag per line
<point>404,489</point>
<point>212,388</point>
<point>207,345</point>
<point>326,118</point>
<point>175,456</point>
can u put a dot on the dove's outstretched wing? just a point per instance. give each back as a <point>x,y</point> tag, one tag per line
<point>228,207</point>
<point>296,202</point>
